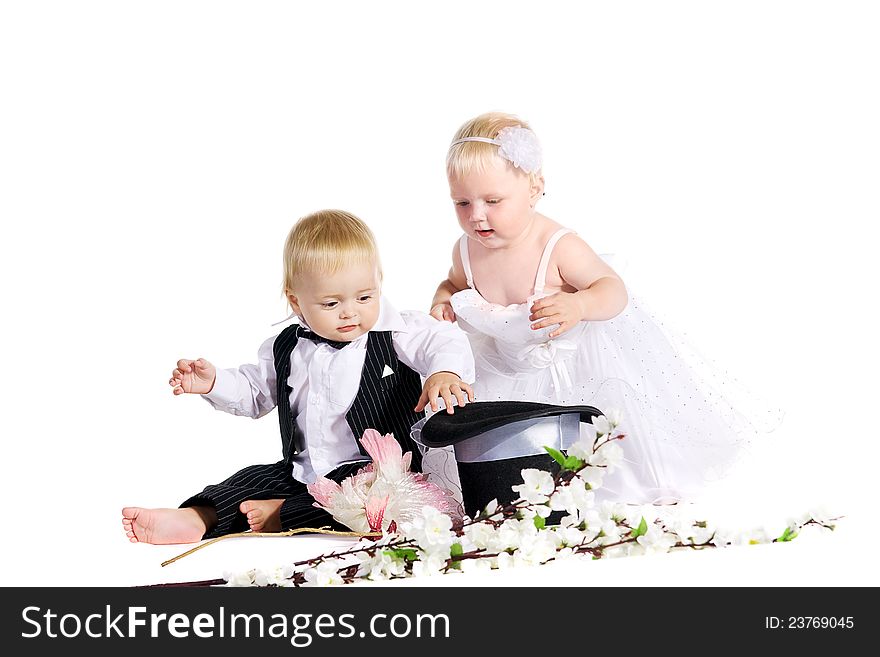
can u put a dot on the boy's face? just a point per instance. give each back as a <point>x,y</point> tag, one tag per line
<point>340,306</point>
<point>496,206</point>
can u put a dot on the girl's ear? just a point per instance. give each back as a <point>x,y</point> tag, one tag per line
<point>536,191</point>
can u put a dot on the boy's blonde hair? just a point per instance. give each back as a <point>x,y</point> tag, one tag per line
<point>324,242</point>
<point>476,156</point>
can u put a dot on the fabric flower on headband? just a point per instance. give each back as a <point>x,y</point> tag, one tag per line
<point>521,147</point>
<point>517,145</point>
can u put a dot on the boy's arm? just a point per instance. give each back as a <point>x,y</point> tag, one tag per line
<point>248,390</point>
<point>431,347</point>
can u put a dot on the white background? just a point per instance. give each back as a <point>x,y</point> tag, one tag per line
<point>153,157</point>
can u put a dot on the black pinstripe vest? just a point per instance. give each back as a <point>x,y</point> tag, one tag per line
<point>382,403</point>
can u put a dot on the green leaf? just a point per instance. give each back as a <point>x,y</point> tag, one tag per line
<point>788,535</point>
<point>407,554</point>
<point>641,530</point>
<point>556,454</point>
<point>455,551</point>
<point>573,463</point>
<point>540,522</point>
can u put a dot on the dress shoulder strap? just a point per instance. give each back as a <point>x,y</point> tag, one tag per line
<point>466,260</point>
<point>541,276</point>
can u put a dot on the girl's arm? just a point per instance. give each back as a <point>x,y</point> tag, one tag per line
<point>600,293</point>
<point>455,282</point>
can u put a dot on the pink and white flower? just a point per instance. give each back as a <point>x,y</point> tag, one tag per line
<point>383,494</point>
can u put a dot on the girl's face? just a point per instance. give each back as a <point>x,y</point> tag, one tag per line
<point>497,206</point>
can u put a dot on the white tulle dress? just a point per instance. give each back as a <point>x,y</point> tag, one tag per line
<point>685,422</point>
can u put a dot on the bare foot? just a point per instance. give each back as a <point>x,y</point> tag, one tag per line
<point>167,526</point>
<point>263,515</point>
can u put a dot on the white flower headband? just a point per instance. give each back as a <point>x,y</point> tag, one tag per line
<point>518,145</point>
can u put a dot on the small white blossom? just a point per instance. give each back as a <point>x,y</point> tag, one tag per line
<point>592,476</point>
<point>384,566</point>
<point>723,537</point>
<point>571,536</point>
<point>535,510</point>
<point>755,536</point>
<point>613,510</point>
<point>536,487</point>
<point>481,534</point>
<point>245,578</point>
<point>613,415</point>
<point>656,540</point>
<point>610,454</point>
<point>581,450</point>
<point>798,520</point>
<point>279,576</point>
<point>602,424</point>
<point>432,530</point>
<point>504,561</point>
<point>430,564</point>
<point>325,573</point>
<point>536,548</point>
<point>566,554</point>
<point>576,500</point>
<point>823,515</point>
<point>690,533</point>
<point>476,565</point>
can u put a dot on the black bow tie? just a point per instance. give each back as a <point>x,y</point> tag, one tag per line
<point>302,332</point>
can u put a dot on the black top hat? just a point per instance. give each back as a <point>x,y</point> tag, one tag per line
<point>495,441</point>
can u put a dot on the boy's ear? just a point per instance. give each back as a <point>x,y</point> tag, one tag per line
<point>294,303</point>
<point>536,191</point>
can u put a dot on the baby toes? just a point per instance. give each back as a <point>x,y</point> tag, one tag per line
<point>255,520</point>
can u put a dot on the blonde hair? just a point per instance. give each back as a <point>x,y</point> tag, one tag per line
<point>324,242</point>
<point>476,156</point>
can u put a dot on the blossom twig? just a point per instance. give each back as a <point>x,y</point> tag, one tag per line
<point>514,533</point>
<point>289,532</point>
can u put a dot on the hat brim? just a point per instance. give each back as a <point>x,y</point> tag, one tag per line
<point>443,429</point>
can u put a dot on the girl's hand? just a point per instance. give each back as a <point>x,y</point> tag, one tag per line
<point>194,376</point>
<point>443,312</point>
<point>445,385</point>
<point>563,308</point>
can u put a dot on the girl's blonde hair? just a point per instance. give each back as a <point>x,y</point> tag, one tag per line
<point>476,156</point>
<point>324,242</point>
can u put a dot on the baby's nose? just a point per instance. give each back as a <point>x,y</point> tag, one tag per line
<point>478,212</point>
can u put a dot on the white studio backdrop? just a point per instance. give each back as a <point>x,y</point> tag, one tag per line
<point>154,156</point>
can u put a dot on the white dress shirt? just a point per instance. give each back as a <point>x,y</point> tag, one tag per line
<point>325,382</point>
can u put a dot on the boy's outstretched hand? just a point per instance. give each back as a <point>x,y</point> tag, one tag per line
<point>446,385</point>
<point>195,376</point>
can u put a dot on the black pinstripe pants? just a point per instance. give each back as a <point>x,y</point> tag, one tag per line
<point>267,482</point>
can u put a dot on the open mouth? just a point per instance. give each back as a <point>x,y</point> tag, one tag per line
<point>347,329</point>
<point>485,233</point>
